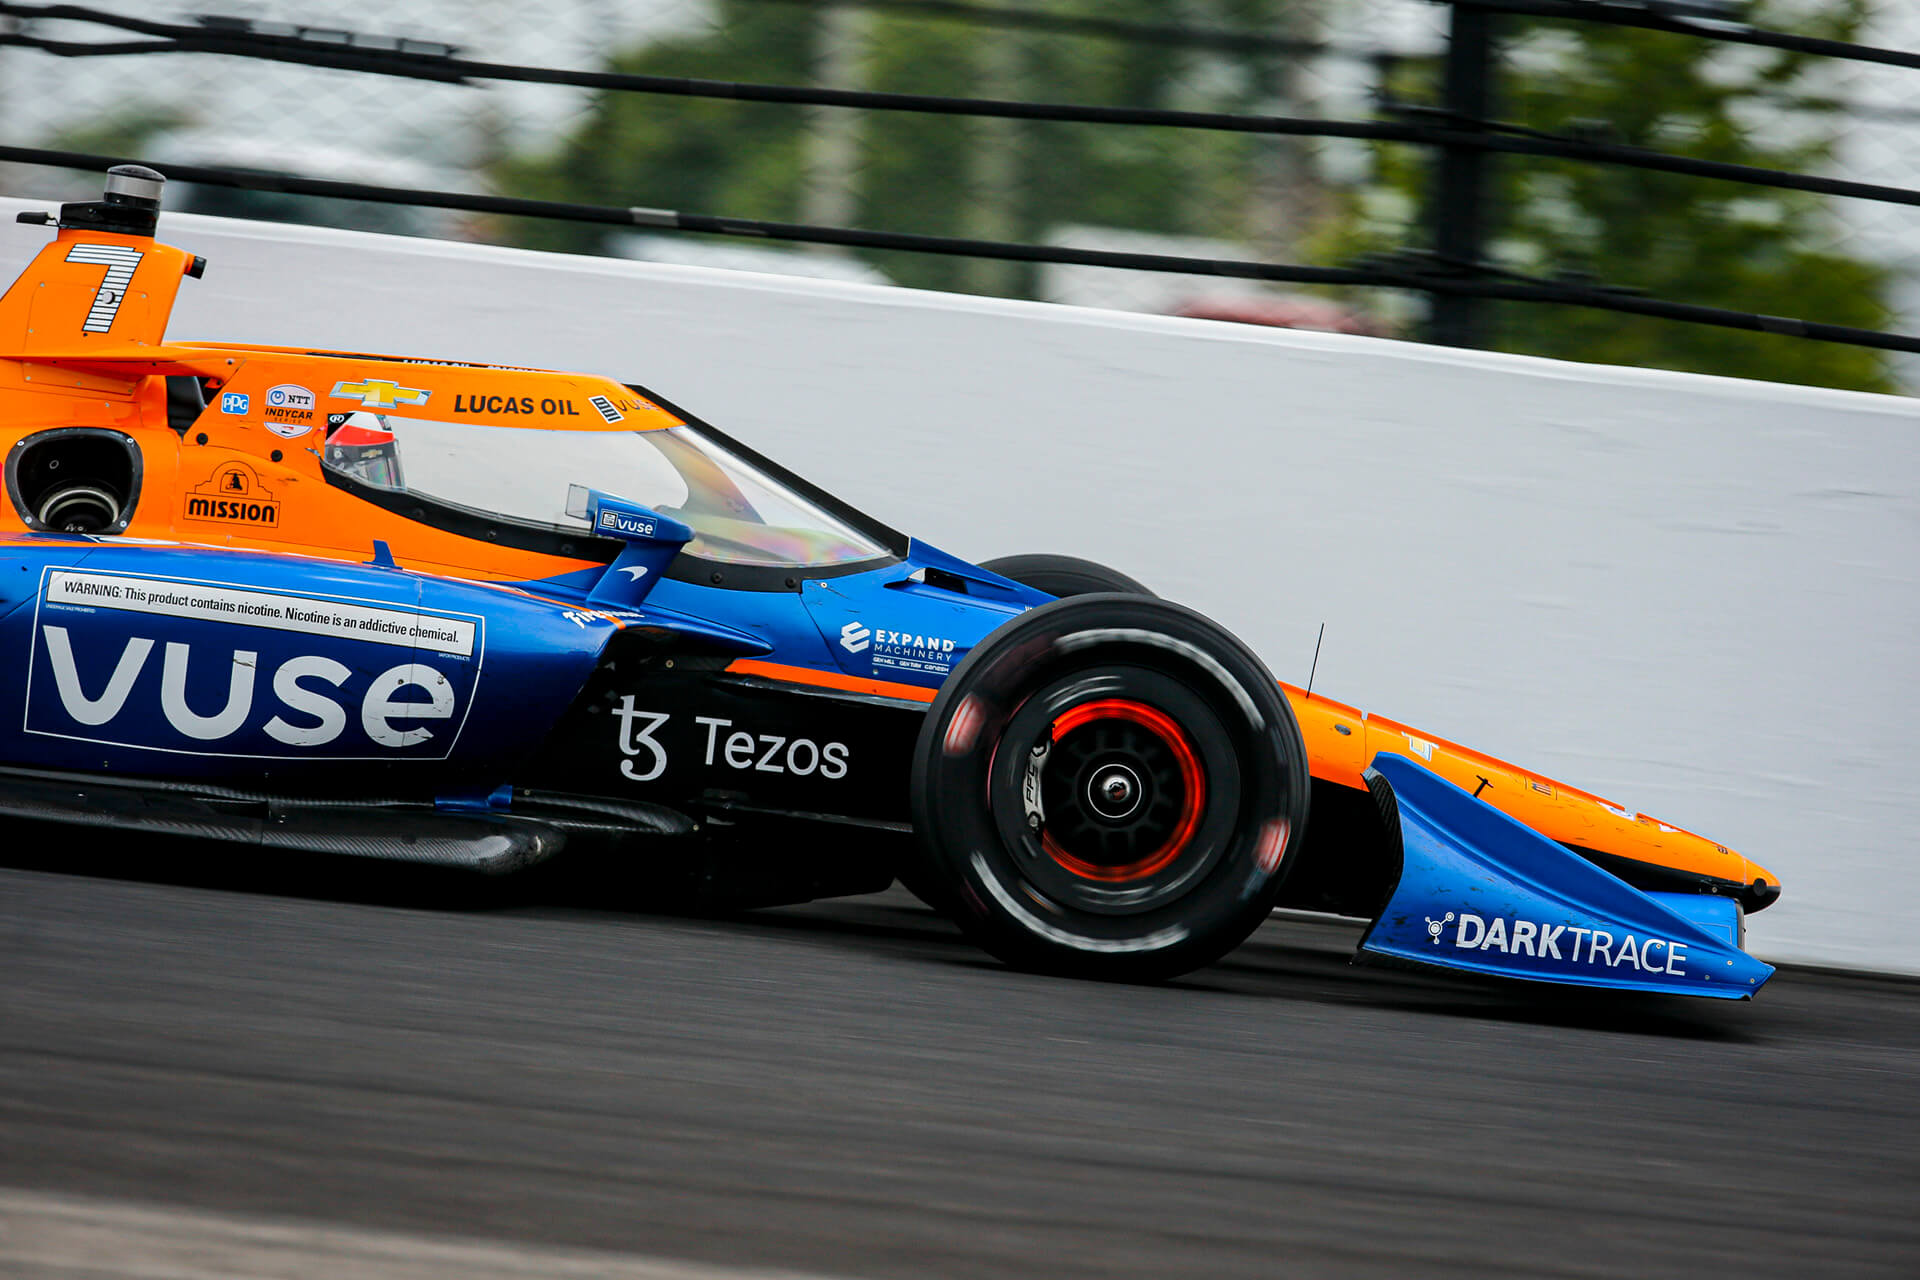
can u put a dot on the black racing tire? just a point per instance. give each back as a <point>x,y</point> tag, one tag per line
<point>1064,576</point>
<point>1108,787</point>
<point>1057,575</point>
<point>1061,576</point>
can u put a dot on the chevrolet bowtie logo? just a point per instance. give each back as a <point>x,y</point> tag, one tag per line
<point>378,393</point>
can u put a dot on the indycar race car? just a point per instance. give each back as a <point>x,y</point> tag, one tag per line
<point>475,615</point>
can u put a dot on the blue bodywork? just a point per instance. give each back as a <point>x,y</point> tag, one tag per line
<point>190,662</point>
<point>1483,893</point>
<point>178,661</point>
<point>196,663</point>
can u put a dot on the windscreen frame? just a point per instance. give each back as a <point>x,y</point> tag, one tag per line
<point>496,529</point>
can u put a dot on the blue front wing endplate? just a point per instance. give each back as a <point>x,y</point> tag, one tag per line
<point>1482,892</point>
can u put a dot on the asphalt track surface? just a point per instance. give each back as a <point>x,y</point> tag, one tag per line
<point>847,1089</point>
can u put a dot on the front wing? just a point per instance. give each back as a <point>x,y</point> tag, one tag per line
<point>1483,893</point>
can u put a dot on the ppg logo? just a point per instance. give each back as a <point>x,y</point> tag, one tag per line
<point>233,402</point>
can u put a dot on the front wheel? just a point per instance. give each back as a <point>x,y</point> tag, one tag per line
<point>1057,575</point>
<point>1108,786</point>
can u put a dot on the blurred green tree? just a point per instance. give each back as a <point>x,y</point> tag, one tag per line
<point>125,131</point>
<point>1678,237</point>
<point>1682,238</point>
<point>937,175</point>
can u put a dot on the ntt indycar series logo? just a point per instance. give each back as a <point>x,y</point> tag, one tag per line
<point>289,410</point>
<point>216,669</point>
<point>1596,947</point>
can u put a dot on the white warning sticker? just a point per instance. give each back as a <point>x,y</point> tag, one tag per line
<point>404,628</point>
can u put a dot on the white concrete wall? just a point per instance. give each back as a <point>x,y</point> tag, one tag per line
<point>1696,596</point>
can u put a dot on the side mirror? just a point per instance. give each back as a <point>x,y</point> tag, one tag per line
<point>652,541</point>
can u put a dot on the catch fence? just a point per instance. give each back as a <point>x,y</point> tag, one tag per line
<point>1188,173</point>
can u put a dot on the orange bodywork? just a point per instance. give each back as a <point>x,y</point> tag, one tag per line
<point>56,372</point>
<point>1342,740</point>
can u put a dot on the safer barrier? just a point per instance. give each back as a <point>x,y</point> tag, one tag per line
<point>1694,595</point>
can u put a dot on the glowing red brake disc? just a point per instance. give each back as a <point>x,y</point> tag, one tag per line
<point>1192,780</point>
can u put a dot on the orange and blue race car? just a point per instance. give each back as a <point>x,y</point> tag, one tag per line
<point>477,615</point>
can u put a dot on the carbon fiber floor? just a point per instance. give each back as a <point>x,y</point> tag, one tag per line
<point>848,1089</point>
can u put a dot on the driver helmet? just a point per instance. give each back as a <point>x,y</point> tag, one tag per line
<point>361,445</point>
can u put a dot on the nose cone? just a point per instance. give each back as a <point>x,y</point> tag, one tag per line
<point>1684,851</point>
<point>1763,887</point>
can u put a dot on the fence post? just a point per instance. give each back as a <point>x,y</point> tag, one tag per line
<point>1459,201</point>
